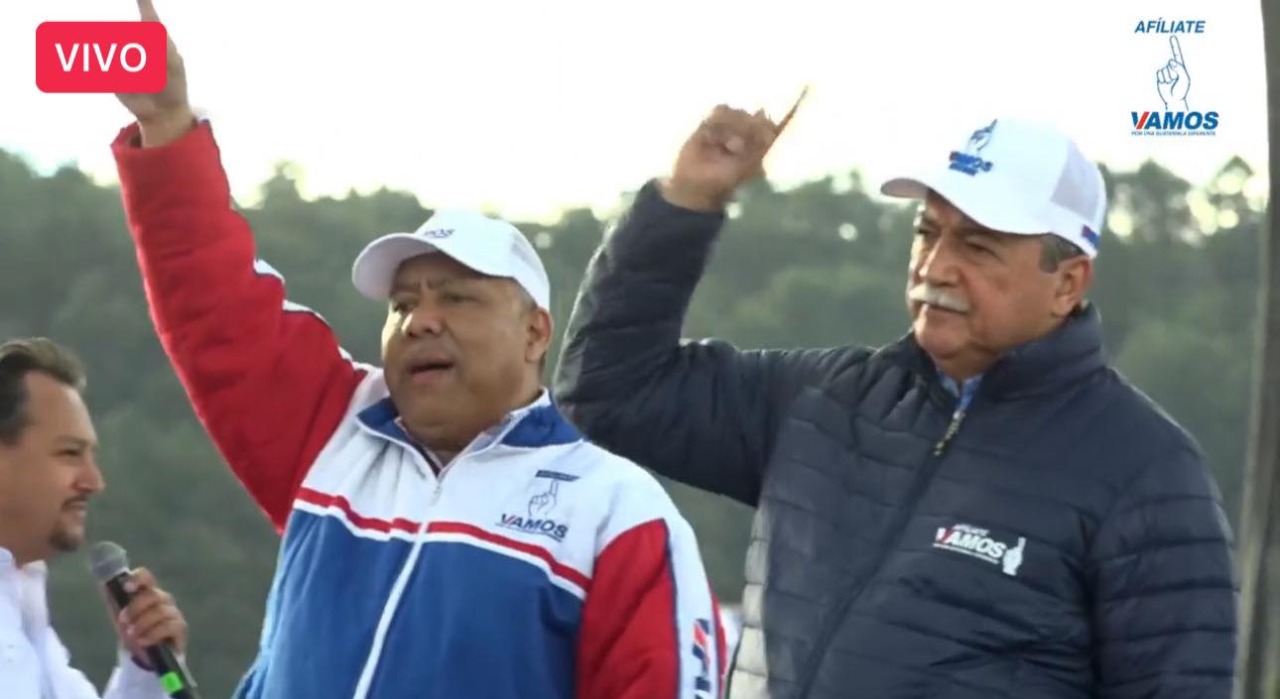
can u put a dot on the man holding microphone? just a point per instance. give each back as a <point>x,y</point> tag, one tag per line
<point>48,475</point>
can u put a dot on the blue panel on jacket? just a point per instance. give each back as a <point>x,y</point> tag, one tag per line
<point>355,595</point>
<point>474,623</point>
<point>471,622</point>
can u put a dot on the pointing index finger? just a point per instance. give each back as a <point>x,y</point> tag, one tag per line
<point>1175,45</point>
<point>792,112</point>
<point>786,119</point>
<point>147,11</point>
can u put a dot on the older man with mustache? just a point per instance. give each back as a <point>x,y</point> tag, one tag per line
<point>981,509</point>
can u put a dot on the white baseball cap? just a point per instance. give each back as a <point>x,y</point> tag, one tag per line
<point>486,245</point>
<point>1019,177</point>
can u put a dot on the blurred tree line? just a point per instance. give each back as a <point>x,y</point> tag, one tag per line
<point>820,264</point>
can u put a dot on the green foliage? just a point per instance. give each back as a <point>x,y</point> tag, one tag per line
<point>821,264</point>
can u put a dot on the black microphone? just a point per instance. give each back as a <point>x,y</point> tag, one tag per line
<point>110,565</point>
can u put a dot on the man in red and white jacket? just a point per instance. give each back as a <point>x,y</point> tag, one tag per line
<point>446,532</point>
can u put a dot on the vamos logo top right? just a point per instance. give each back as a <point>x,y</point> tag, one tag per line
<point>1180,116</point>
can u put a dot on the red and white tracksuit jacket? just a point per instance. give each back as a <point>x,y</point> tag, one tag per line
<point>535,566</point>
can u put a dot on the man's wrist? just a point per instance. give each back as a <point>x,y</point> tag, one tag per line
<point>166,128</point>
<point>691,198</point>
<point>139,661</point>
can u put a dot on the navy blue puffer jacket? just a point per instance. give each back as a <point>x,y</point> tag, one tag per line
<point>1056,537</point>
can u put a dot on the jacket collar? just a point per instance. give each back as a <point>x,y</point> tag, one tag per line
<point>538,424</point>
<point>25,586</point>
<point>35,570</point>
<point>1049,363</point>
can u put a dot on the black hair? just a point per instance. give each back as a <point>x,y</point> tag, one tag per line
<point>26,356</point>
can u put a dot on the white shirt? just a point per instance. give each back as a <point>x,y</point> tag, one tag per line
<point>33,662</point>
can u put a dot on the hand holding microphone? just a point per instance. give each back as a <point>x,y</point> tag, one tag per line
<point>147,620</point>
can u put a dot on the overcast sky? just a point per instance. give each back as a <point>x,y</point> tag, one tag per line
<point>533,107</point>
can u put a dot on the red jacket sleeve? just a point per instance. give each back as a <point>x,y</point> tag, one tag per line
<point>651,627</point>
<point>266,377</point>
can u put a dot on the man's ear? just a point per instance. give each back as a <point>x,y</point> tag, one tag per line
<point>1075,276</point>
<point>390,327</point>
<point>539,327</point>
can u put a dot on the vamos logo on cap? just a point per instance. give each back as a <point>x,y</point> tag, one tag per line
<point>977,542</point>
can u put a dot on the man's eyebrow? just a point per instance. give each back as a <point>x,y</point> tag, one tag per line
<point>68,440</point>
<point>930,219</point>
<point>438,283</point>
<point>969,229</point>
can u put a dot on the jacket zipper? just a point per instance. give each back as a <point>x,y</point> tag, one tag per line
<point>391,606</point>
<point>837,616</point>
<point>435,494</point>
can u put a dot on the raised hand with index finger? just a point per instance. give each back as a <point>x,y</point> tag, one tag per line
<point>726,150</point>
<point>166,115</point>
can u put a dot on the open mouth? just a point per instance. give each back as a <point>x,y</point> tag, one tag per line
<point>428,368</point>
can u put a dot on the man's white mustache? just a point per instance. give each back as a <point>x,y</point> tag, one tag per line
<point>932,295</point>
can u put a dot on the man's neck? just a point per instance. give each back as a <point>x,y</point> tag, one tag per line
<point>447,452</point>
<point>962,370</point>
<point>20,556</point>
<point>529,397</point>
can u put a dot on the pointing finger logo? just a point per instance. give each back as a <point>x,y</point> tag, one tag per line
<point>1172,80</point>
<point>542,503</point>
<point>1012,559</point>
<point>981,138</point>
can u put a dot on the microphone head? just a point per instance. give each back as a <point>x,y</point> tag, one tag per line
<point>107,560</point>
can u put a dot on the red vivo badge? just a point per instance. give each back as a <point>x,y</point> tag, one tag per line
<point>101,57</point>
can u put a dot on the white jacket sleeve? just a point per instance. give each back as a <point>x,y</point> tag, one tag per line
<point>129,681</point>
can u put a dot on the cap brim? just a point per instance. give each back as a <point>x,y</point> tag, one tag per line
<point>989,203</point>
<point>375,267</point>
